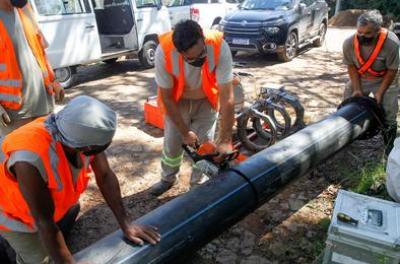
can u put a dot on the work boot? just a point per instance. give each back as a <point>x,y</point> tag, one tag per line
<point>161,187</point>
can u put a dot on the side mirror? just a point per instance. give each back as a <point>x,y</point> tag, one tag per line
<point>302,7</point>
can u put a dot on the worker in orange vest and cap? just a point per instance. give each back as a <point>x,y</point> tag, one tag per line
<point>27,82</point>
<point>372,58</point>
<point>194,78</point>
<point>43,172</point>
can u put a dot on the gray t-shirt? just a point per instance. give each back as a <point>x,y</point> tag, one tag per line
<point>193,79</point>
<point>388,58</point>
<point>35,99</point>
<point>34,160</point>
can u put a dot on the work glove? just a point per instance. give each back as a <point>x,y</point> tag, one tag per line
<point>5,118</point>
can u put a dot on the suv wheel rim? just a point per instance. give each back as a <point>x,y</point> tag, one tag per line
<point>291,46</point>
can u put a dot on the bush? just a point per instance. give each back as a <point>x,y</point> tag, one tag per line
<point>387,7</point>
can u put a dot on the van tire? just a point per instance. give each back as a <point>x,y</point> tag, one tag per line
<point>290,50</point>
<point>66,76</point>
<point>147,54</point>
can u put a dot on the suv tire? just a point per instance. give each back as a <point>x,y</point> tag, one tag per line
<point>321,36</point>
<point>147,54</point>
<point>290,50</point>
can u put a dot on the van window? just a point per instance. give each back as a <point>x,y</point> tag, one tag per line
<point>147,3</point>
<point>175,3</point>
<point>59,7</point>
<point>200,1</point>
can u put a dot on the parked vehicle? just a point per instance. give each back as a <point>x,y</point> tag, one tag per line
<point>86,31</point>
<point>208,13</point>
<point>276,26</point>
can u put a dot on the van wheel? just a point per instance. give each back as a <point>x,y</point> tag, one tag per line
<point>147,54</point>
<point>290,50</point>
<point>321,36</point>
<point>66,76</point>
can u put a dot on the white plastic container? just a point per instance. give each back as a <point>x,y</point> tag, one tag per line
<point>373,235</point>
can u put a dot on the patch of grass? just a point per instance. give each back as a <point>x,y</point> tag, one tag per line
<point>319,243</point>
<point>324,223</point>
<point>361,181</point>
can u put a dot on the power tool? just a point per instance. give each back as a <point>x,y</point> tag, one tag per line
<point>205,158</point>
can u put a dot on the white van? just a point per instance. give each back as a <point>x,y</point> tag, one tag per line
<point>208,13</point>
<point>86,31</point>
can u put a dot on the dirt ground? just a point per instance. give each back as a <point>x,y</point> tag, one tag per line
<point>285,229</point>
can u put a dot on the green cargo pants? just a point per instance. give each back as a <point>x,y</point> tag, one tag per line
<point>201,118</point>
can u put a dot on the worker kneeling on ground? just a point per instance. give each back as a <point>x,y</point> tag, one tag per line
<point>372,58</point>
<point>44,170</point>
<point>194,77</point>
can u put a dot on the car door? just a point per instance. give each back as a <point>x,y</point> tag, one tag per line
<point>321,12</point>
<point>179,10</point>
<point>306,21</point>
<point>152,18</point>
<point>70,28</point>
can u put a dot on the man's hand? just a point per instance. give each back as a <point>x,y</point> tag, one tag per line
<point>140,233</point>
<point>190,138</point>
<point>5,118</point>
<point>378,96</point>
<point>357,93</point>
<point>59,92</point>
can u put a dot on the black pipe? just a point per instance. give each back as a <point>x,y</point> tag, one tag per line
<point>195,218</point>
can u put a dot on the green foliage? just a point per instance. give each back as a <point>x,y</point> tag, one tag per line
<point>387,7</point>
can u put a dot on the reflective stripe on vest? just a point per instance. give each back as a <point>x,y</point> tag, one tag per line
<point>174,65</point>
<point>64,189</point>
<point>10,73</point>
<point>366,66</point>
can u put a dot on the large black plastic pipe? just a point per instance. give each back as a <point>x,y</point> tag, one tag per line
<point>195,218</point>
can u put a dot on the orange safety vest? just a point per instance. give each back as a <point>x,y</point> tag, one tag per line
<point>11,80</point>
<point>209,79</point>
<point>366,66</point>
<point>35,137</point>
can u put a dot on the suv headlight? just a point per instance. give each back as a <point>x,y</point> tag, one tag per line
<point>272,30</point>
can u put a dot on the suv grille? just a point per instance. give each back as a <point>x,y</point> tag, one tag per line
<point>240,28</point>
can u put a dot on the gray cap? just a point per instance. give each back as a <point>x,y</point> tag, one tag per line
<point>84,122</point>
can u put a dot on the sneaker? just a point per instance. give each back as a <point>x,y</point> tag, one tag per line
<point>161,187</point>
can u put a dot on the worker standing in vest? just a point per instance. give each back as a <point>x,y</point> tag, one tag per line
<point>27,82</point>
<point>372,58</point>
<point>194,77</point>
<point>44,170</point>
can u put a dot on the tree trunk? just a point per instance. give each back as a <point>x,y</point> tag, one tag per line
<point>338,6</point>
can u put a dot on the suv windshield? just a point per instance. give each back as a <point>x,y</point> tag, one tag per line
<point>266,4</point>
